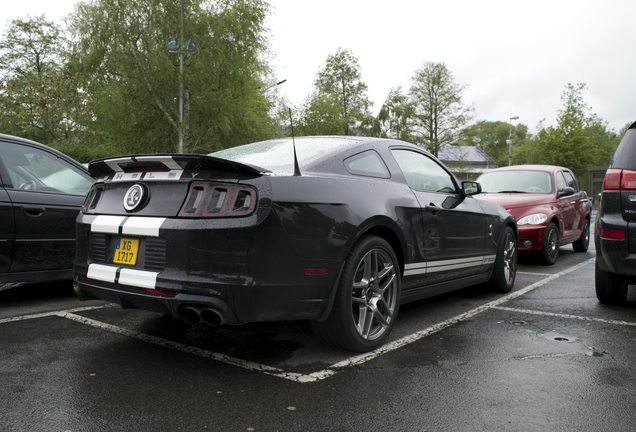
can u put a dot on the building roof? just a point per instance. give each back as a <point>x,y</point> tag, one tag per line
<point>472,155</point>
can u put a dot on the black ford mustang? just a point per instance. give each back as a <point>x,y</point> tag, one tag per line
<point>337,230</point>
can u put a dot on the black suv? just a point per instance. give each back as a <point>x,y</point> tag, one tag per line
<point>615,236</point>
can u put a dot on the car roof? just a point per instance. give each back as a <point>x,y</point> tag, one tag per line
<point>531,167</point>
<point>20,140</point>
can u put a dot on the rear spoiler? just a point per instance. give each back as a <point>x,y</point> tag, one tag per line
<point>169,163</point>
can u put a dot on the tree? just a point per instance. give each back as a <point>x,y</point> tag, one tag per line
<point>491,136</point>
<point>394,117</point>
<point>120,51</point>
<point>439,113</point>
<point>38,98</point>
<point>579,140</point>
<point>339,104</point>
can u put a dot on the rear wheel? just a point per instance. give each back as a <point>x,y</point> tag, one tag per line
<point>610,287</point>
<point>583,242</point>
<point>368,298</point>
<point>505,271</point>
<point>551,245</point>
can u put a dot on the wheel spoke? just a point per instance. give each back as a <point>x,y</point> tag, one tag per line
<point>382,288</point>
<point>367,324</point>
<point>388,268</point>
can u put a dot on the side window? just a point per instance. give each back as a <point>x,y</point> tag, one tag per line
<point>570,180</point>
<point>367,163</point>
<point>40,171</point>
<point>561,183</point>
<point>423,173</point>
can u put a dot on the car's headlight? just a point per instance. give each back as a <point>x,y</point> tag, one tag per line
<point>533,219</point>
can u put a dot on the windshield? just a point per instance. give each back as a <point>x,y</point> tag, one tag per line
<point>277,155</point>
<point>517,181</point>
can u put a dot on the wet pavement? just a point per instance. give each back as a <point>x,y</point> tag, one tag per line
<point>548,356</point>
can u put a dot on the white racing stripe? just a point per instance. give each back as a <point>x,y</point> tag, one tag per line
<point>102,272</point>
<point>107,224</point>
<point>138,278</point>
<point>143,226</point>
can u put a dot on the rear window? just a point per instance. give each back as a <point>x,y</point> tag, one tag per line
<point>625,156</point>
<point>277,155</point>
<point>523,181</point>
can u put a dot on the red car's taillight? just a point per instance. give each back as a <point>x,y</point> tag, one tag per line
<point>213,200</point>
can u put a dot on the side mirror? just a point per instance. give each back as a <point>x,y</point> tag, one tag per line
<point>471,188</point>
<point>566,191</point>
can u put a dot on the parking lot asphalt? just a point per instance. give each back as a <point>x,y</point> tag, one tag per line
<point>548,356</point>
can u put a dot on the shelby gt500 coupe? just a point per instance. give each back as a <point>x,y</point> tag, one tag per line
<point>336,230</point>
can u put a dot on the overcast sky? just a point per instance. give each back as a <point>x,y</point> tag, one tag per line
<point>514,56</point>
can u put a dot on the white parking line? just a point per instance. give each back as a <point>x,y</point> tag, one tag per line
<point>52,313</point>
<point>534,274</point>
<point>292,376</point>
<point>568,316</point>
<point>269,370</point>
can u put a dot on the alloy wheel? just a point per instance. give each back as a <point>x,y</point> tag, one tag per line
<point>374,294</point>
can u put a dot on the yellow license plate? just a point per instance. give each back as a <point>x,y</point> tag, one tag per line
<point>126,250</point>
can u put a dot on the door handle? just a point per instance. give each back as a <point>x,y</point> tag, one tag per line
<point>432,208</point>
<point>34,211</point>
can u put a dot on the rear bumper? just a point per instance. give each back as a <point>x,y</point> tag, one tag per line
<point>247,273</point>
<point>614,256</point>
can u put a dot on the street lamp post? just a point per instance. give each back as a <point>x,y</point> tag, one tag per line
<point>509,140</point>
<point>182,50</point>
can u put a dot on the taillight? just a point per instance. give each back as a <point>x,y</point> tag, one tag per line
<point>93,197</point>
<point>612,234</point>
<point>612,180</point>
<point>218,200</point>
<point>629,180</point>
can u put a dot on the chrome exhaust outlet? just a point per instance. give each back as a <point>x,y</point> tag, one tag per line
<point>212,317</point>
<point>190,314</point>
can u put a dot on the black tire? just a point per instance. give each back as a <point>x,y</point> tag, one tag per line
<point>551,244</point>
<point>583,242</point>
<point>370,283</point>
<point>505,270</point>
<point>611,289</point>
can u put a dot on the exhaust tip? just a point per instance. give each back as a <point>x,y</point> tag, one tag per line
<point>212,317</point>
<point>191,315</point>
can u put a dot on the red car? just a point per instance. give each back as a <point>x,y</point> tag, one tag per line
<point>550,209</point>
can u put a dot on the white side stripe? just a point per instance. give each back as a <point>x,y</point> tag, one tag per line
<point>138,278</point>
<point>107,224</point>
<point>444,265</point>
<point>102,272</point>
<point>143,226</point>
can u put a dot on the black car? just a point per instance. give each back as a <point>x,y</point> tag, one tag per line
<point>615,236</point>
<point>337,230</point>
<point>41,194</point>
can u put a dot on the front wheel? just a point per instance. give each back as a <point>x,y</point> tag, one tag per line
<point>551,245</point>
<point>505,271</point>
<point>583,242</point>
<point>610,288</point>
<point>367,298</point>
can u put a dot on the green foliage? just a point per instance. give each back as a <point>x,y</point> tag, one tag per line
<point>394,118</point>
<point>578,141</point>
<point>438,112</point>
<point>491,137</point>
<point>339,104</point>
<point>38,98</point>
<point>120,53</point>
